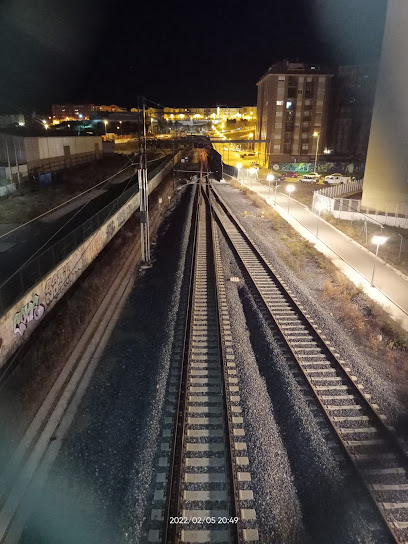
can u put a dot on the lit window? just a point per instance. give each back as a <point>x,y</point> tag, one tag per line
<point>279,102</point>
<point>281,79</point>
<point>288,104</point>
<point>300,91</point>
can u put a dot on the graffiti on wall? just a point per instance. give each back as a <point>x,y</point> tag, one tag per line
<point>110,230</point>
<point>33,310</point>
<point>62,278</point>
<point>323,167</point>
<point>124,214</point>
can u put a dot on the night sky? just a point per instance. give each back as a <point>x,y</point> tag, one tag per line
<point>189,53</point>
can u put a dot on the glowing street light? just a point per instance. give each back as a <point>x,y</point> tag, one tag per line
<point>269,178</point>
<point>105,123</point>
<point>379,241</point>
<point>316,135</point>
<point>289,189</point>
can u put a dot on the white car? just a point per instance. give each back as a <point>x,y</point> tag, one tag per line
<point>309,178</point>
<point>335,179</point>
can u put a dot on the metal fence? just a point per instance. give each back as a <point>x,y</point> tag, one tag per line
<point>342,189</point>
<point>31,273</point>
<point>229,170</point>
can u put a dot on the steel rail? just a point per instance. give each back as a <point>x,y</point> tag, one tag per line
<point>174,481</point>
<point>204,312</point>
<point>237,530</point>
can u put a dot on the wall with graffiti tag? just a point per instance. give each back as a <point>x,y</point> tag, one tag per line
<point>323,167</point>
<point>17,324</point>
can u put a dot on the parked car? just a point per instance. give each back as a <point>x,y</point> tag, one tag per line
<point>255,164</point>
<point>336,179</point>
<point>292,174</point>
<point>307,178</point>
<point>277,177</point>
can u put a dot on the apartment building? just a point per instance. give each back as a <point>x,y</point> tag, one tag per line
<point>71,112</point>
<point>293,108</point>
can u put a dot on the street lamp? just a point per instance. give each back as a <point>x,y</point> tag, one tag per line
<point>121,130</point>
<point>252,172</point>
<point>269,178</point>
<point>319,206</point>
<point>316,135</point>
<point>105,123</point>
<point>289,189</point>
<point>239,166</point>
<point>379,241</point>
<point>400,247</point>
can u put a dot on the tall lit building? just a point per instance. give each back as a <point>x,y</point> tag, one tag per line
<point>385,185</point>
<point>293,105</point>
<point>71,112</point>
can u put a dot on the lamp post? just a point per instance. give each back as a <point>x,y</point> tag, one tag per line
<point>316,135</point>
<point>269,178</point>
<point>379,241</point>
<point>319,207</point>
<point>105,123</point>
<point>400,248</point>
<point>121,130</point>
<point>239,166</point>
<point>251,136</point>
<point>252,171</point>
<point>289,189</point>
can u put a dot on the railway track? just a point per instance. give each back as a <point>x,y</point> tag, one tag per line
<point>372,448</point>
<point>209,495</point>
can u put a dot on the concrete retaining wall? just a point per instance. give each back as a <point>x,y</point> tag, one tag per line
<point>21,320</point>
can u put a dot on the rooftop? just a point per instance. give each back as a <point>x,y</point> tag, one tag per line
<point>293,68</point>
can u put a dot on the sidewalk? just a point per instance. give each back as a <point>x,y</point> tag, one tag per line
<point>390,286</point>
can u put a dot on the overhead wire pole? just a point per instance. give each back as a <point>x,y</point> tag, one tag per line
<point>144,197</point>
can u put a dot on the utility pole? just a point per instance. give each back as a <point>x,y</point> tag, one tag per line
<point>18,166</point>
<point>8,157</point>
<point>174,179</point>
<point>138,124</point>
<point>144,197</point>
